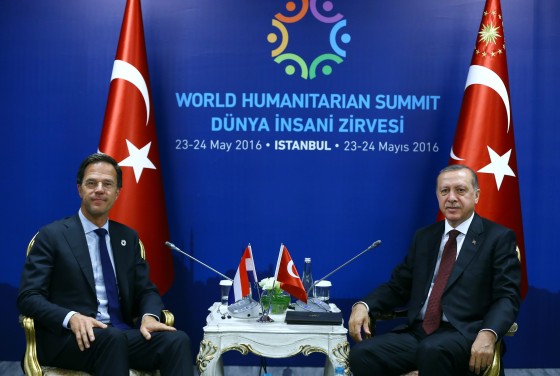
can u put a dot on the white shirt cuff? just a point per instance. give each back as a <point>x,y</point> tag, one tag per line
<point>67,319</point>
<point>490,330</point>
<point>360,302</point>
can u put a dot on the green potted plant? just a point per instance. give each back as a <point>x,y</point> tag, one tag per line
<point>273,299</point>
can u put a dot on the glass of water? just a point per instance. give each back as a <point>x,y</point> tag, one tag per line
<point>225,286</point>
<point>323,290</point>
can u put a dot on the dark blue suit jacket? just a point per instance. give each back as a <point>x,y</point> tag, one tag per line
<point>58,278</point>
<point>482,291</point>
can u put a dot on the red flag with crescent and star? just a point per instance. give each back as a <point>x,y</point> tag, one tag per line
<point>286,273</point>
<point>484,138</point>
<point>129,136</point>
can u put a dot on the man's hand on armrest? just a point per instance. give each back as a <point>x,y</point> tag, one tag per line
<point>359,321</point>
<point>482,351</point>
<point>151,324</point>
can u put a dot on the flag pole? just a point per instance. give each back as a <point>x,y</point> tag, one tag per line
<point>265,317</point>
<point>278,261</point>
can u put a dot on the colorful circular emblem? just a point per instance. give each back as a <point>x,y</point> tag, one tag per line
<point>324,62</point>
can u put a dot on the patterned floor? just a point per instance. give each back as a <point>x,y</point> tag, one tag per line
<point>13,369</point>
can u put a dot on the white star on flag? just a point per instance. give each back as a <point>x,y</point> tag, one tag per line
<point>499,166</point>
<point>137,159</point>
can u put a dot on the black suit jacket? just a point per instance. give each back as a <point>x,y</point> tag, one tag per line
<point>482,291</point>
<point>58,278</point>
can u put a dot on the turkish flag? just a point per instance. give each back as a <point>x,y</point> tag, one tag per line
<point>286,273</point>
<point>129,136</point>
<point>484,138</point>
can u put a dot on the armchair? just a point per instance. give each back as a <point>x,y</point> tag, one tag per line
<point>30,363</point>
<point>494,370</point>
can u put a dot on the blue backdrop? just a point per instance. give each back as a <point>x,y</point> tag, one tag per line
<point>385,109</point>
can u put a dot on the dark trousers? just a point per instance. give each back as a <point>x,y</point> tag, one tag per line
<point>444,352</point>
<point>115,351</point>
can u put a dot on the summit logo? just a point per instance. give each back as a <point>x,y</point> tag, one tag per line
<point>330,44</point>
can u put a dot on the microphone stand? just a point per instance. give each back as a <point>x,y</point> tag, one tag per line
<point>372,246</point>
<point>245,304</point>
<point>172,246</point>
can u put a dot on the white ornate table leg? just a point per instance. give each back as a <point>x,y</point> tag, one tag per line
<point>209,359</point>
<point>338,356</point>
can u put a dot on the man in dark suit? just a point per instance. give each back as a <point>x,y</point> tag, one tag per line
<point>82,321</point>
<point>479,294</point>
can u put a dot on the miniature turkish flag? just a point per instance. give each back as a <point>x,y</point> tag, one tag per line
<point>484,138</point>
<point>286,273</point>
<point>129,136</point>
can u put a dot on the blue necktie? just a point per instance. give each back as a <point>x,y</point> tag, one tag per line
<point>110,282</point>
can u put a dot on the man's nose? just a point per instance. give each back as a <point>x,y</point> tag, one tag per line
<point>99,186</point>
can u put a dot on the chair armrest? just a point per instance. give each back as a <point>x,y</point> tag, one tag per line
<point>512,330</point>
<point>385,316</point>
<point>494,369</point>
<point>168,318</point>
<point>390,315</point>
<point>30,362</point>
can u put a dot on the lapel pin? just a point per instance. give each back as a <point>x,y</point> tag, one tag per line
<point>123,242</point>
<point>474,241</point>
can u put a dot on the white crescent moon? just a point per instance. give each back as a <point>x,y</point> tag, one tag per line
<point>452,155</point>
<point>487,77</point>
<point>128,72</point>
<point>290,269</point>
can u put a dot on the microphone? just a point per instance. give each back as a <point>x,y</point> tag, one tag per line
<point>244,308</point>
<point>372,246</point>
<point>172,246</point>
<point>317,305</point>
